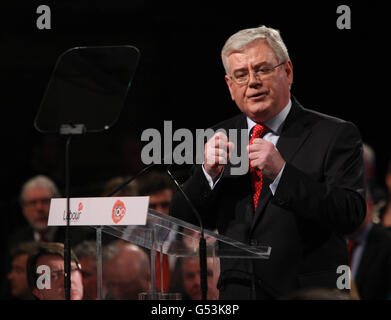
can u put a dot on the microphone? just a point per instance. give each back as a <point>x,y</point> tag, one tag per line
<point>123,185</point>
<point>142,171</point>
<point>202,242</point>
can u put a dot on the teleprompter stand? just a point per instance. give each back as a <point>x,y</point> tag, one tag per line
<point>85,94</point>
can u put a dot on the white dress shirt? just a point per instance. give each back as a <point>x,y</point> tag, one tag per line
<point>274,125</point>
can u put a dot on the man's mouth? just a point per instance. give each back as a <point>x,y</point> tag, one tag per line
<point>257,96</point>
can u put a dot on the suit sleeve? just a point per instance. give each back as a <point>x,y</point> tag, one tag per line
<point>338,202</point>
<point>198,190</point>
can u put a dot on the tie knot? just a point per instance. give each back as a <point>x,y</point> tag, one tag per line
<point>258,131</point>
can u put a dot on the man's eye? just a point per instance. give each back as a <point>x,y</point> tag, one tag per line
<point>241,75</point>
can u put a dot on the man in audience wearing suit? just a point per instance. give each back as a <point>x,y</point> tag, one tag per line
<point>369,252</point>
<point>35,197</point>
<point>50,255</point>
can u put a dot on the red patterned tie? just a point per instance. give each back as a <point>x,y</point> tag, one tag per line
<point>256,175</point>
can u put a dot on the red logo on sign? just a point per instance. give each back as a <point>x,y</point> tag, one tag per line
<point>119,211</point>
<point>80,208</point>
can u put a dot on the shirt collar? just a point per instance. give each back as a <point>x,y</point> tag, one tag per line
<point>274,124</point>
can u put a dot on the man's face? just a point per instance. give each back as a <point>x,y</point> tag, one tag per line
<point>388,181</point>
<point>57,291</point>
<point>123,278</point>
<point>260,99</point>
<point>160,201</point>
<point>35,206</point>
<point>88,266</point>
<point>191,279</point>
<point>18,277</point>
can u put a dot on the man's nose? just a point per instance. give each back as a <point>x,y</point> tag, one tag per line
<point>254,80</point>
<point>197,281</point>
<point>42,210</point>
<point>42,207</point>
<point>39,205</point>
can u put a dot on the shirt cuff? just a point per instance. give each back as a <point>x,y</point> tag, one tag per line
<point>209,178</point>
<point>273,186</point>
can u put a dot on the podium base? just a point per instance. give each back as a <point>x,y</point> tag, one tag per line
<point>159,296</point>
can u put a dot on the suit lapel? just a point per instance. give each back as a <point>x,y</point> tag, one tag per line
<point>294,132</point>
<point>293,135</point>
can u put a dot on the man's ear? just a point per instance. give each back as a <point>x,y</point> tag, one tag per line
<point>229,83</point>
<point>289,70</point>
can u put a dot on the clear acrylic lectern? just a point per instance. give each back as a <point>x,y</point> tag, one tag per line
<point>175,237</point>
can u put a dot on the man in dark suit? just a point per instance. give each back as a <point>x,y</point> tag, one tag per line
<point>370,257</point>
<point>305,186</point>
<point>35,197</point>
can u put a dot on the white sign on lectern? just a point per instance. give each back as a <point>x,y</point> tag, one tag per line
<point>101,211</point>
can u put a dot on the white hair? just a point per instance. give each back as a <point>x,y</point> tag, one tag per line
<point>238,41</point>
<point>39,181</point>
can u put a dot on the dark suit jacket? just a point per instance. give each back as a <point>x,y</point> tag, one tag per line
<point>319,198</point>
<point>373,278</point>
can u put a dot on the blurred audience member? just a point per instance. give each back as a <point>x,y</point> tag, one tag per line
<point>129,190</point>
<point>86,253</point>
<point>190,286</point>
<point>369,252</point>
<point>385,211</point>
<point>35,198</point>
<point>51,254</point>
<point>159,187</point>
<point>126,272</point>
<point>378,193</point>
<point>19,288</point>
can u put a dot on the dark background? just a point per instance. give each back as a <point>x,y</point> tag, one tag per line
<point>180,77</point>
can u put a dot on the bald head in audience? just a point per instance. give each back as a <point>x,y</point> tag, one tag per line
<point>127,271</point>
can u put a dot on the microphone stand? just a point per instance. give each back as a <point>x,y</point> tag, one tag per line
<point>67,246</point>
<point>122,185</point>
<point>202,242</point>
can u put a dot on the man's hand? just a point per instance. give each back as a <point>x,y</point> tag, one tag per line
<point>216,154</point>
<point>264,156</point>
